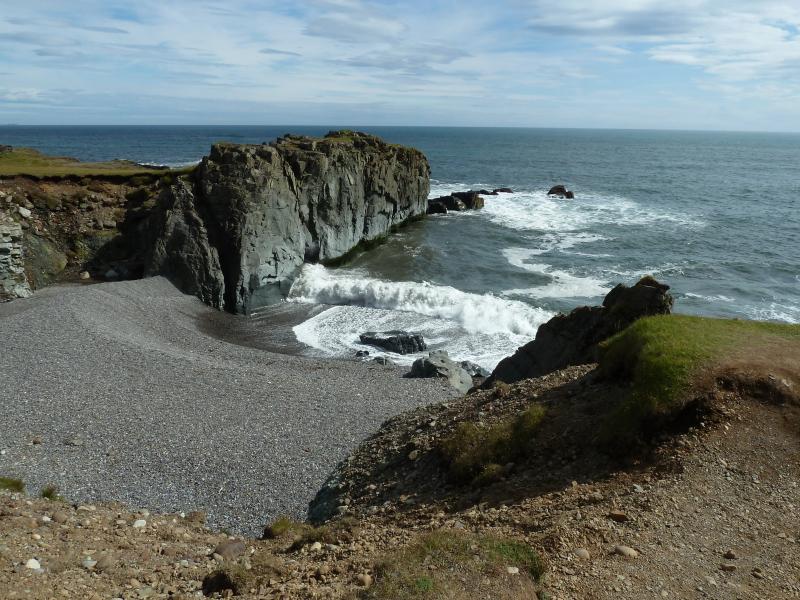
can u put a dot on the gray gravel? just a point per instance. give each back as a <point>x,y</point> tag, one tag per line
<point>170,418</point>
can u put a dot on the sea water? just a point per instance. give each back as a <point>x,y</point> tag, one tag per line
<point>714,215</point>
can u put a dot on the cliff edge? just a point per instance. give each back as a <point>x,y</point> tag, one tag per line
<point>236,232</point>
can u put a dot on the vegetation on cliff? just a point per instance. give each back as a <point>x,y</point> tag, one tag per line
<point>26,161</point>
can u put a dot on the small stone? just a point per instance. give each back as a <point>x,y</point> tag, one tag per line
<point>582,553</point>
<point>88,563</point>
<point>638,489</point>
<point>84,275</point>
<point>37,537</point>
<point>104,563</point>
<point>230,549</point>
<point>618,516</point>
<point>24,212</point>
<point>364,580</point>
<point>46,519</point>
<point>730,555</point>
<point>711,581</point>
<point>316,546</point>
<point>512,570</point>
<point>625,551</point>
<point>60,517</point>
<point>37,439</point>
<point>727,568</point>
<point>139,523</point>
<point>75,440</point>
<point>32,563</point>
<point>413,455</point>
<point>758,573</point>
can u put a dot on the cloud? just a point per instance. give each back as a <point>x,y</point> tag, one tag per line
<point>278,52</point>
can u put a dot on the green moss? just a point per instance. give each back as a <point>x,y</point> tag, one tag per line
<point>11,484</point>
<point>662,357</point>
<point>449,564</point>
<point>340,531</point>
<point>476,453</point>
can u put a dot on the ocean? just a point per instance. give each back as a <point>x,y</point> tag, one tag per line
<point>714,215</point>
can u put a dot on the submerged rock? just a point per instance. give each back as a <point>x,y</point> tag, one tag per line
<point>399,342</point>
<point>572,339</point>
<point>238,230</point>
<point>439,364</point>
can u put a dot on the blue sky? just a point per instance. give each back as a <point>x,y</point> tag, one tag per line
<point>685,64</point>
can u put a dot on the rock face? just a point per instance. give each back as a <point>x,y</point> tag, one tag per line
<point>400,342</point>
<point>561,192</point>
<point>439,364</point>
<point>13,283</point>
<point>237,234</point>
<point>572,339</point>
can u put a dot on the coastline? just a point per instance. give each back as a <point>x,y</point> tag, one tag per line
<point>119,394</point>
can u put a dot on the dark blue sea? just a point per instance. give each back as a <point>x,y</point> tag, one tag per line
<point>714,215</point>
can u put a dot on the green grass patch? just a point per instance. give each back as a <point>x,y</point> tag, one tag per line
<point>450,564</point>
<point>662,358</point>
<point>11,484</point>
<point>284,527</point>
<point>477,454</point>
<point>50,492</point>
<point>26,161</point>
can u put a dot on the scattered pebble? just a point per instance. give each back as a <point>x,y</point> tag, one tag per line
<point>626,551</point>
<point>365,580</point>
<point>139,523</point>
<point>32,563</point>
<point>582,553</point>
<point>513,570</point>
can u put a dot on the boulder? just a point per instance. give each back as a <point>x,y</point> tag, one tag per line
<point>572,339</point>
<point>504,190</point>
<point>439,364</point>
<point>449,203</point>
<point>472,200</point>
<point>236,232</point>
<point>436,207</point>
<point>561,192</point>
<point>399,342</point>
<point>474,370</point>
<point>362,353</point>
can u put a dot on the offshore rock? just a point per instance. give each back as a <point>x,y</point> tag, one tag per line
<point>399,342</point>
<point>572,339</point>
<point>561,192</point>
<point>237,234</point>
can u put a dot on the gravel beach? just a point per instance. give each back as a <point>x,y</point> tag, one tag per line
<point>118,391</point>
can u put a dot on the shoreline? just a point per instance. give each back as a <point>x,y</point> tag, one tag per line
<point>117,393</point>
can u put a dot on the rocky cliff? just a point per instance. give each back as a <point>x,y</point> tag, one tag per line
<point>236,232</point>
<point>13,283</point>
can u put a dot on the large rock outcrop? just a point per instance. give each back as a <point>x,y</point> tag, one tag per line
<point>13,283</point>
<point>236,234</point>
<point>572,339</point>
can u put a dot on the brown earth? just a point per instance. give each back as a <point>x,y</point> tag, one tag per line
<point>708,510</point>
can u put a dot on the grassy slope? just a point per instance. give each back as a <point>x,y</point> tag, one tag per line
<point>25,161</point>
<point>664,357</point>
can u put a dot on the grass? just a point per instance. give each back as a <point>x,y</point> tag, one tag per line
<point>451,564</point>
<point>664,357</point>
<point>26,161</point>
<point>478,454</point>
<point>284,527</point>
<point>12,485</point>
<point>50,492</point>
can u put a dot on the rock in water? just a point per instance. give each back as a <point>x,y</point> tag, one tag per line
<point>399,342</point>
<point>236,232</point>
<point>471,200</point>
<point>572,339</point>
<point>439,364</point>
<point>561,192</point>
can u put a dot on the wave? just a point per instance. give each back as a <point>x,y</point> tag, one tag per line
<point>481,328</point>
<point>536,211</point>
<point>561,285</point>
<point>474,313</point>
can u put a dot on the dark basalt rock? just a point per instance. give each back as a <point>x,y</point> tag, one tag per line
<point>561,192</point>
<point>474,370</point>
<point>238,230</point>
<point>399,342</point>
<point>504,190</point>
<point>362,353</point>
<point>572,339</point>
<point>436,207</point>
<point>439,364</point>
<point>472,200</point>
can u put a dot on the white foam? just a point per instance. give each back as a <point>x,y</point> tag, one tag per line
<point>536,211</point>
<point>481,328</point>
<point>561,285</point>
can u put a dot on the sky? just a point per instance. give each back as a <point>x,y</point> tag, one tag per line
<point>677,64</point>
